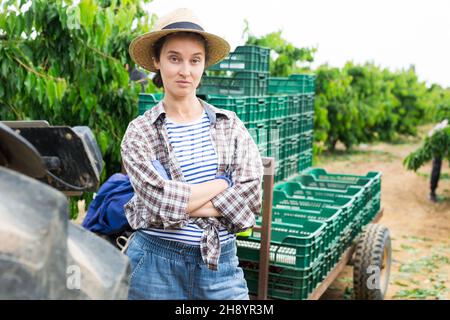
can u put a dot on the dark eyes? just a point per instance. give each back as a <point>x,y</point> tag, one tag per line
<point>176,59</point>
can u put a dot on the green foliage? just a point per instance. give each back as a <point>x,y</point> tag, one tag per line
<point>64,63</point>
<point>358,103</point>
<point>335,98</point>
<point>438,145</point>
<point>285,58</point>
<point>438,107</point>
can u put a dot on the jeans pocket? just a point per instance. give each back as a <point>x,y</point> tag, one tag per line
<point>137,258</point>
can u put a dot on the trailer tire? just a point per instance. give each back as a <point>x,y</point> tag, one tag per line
<point>372,263</point>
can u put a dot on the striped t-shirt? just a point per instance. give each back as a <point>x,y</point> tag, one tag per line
<point>198,161</point>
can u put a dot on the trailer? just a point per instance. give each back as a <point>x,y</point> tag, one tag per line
<point>369,254</point>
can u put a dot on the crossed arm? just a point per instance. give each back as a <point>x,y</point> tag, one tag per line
<point>200,204</point>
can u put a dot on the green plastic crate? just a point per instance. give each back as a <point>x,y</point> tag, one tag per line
<point>307,187</point>
<point>277,106</point>
<point>305,161</point>
<point>276,130</point>
<point>279,169</point>
<point>290,209</point>
<point>235,104</point>
<point>258,131</point>
<point>245,58</point>
<point>306,121</point>
<point>295,127</point>
<point>371,181</point>
<point>283,282</point>
<point>308,81</point>
<point>257,109</point>
<point>349,202</point>
<point>292,127</point>
<point>274,150</point>
<point>295,147</point>
<point>296,245</point>
<point>290,166</point>
<point>285,148</point>
<point>295,83</point>
<point>309,103</point>
<point>280,255</point>
<point>327,182</point>
<point>306,141</point>
<point>297,188</point>
<point>147,101</point>
<point>293,105</point>
<point>263,147</point>
<point>240,84</point>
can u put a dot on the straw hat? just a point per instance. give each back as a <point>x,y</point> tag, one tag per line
<point>141,48</point>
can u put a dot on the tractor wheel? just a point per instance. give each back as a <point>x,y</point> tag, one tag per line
<point>372,263</point>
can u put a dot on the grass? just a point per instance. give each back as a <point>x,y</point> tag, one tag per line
<point>417,239</point>
<point>422,294</point>
<point>425,265</point>
<point>348,293</point>
<point>422,277</point>
<point>434,286</point>
<point>444,175</point>
<point>409,248</point>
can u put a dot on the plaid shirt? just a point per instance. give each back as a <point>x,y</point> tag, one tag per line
<point>163,203</point>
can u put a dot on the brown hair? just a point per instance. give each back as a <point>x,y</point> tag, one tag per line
<point>157,47</point>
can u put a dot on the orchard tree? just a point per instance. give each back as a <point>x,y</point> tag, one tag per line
<point>63,61</point>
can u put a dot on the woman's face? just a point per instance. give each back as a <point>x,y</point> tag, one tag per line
<point>181,62</point>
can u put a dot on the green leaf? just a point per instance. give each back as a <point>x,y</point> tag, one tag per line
<point>90,102</point>
<point>26,50</point>
<point>103,70</point>
<point>83,93</point>
<point>61,86</point>
<point>29,19</point>
<point>30,83</point>
<point>88,10</point>
<point>19,27</point>
<point>51,92</point>
<point>3,21</point>
<point>10,25</point>
<point>40,89</point>
<point>5,68</point>
<point>103,141</point>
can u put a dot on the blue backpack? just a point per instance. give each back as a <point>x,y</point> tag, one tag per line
<point>106,215</point>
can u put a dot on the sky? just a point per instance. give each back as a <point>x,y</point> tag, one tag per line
<point>392,34</point>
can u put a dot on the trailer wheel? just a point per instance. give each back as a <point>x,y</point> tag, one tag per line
<point>372,263</point>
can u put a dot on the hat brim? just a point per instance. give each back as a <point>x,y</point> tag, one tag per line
<point>141,48</point>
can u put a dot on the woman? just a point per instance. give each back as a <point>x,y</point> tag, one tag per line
<point>195,170</point>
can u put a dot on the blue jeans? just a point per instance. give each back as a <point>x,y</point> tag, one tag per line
<point>171,270</point>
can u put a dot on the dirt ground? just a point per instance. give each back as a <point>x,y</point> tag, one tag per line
<point>419,228</point>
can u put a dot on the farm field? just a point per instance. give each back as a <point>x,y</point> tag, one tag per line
<point>420,229</point>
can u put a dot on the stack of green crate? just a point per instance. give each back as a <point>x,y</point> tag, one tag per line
<point>343,204</point>
<point>298,121</point>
